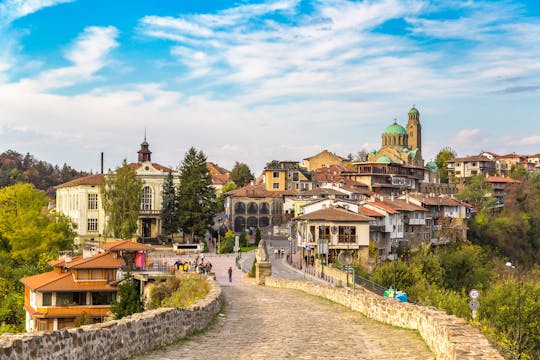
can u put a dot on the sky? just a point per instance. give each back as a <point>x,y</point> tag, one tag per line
<point>254,81</point>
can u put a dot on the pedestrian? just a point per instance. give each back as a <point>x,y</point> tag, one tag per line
<point>230,273</point>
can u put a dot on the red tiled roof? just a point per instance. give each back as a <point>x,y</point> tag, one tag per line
<point>385,207</point>
<point>436,200</point>
<point>325,151</point>
<point>402,205</point>
<point>498,179</point>
<point>214,169</point>
<point>125,245</point>
<point>99,261</point>
<point>52,281</point>
<point>220,179</point>
<point>257,191</point>
<point>334,214</point>
<point>368,212</point>
<point>96,179</point>
<point>322,191</point>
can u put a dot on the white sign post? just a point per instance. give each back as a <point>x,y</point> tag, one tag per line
<point>473,304</point>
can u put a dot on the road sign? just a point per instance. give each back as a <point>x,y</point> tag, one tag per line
<point>474,304</point>
<point>474,294</point>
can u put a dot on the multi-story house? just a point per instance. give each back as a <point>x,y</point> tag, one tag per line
<point>82,200</point>
<point>286,175</point>
<point>464,167</point>
<point>500,186</point>
<point>80,287</point>
<point>326,232</point>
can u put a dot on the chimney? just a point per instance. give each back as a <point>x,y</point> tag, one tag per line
<point>102,162</point>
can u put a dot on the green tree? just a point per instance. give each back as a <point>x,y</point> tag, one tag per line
<point>227,243</point>
<point>129,300</point>
<point>27,228</point>
<point>518,172</point>
<point>196,196</point>
<point>241,174</point>
<point>169,208</point>
<point>122,194</point>
<point>442,162</point>
<point>257,236</point>
<point>478,192</point>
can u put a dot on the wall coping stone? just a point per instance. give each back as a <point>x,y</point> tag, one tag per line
<point>115,339</point>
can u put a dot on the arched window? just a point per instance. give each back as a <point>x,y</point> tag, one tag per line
<point>252,208</point>
<point>239,208</point>
<point>252,222</point>
<point>239,223</point>
<point>146,201</point>
<point>264,221</point>
<point>265,208</point>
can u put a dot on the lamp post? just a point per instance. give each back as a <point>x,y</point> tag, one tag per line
<point>518,278</point>
<point>219,236</point>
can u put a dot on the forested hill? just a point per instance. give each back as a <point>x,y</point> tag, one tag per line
<point>17,168</point>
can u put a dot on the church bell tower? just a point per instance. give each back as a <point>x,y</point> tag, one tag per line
<point>414,130</point>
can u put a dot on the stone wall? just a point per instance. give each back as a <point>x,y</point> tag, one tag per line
<point>117,339</point>
<point>448,337</point>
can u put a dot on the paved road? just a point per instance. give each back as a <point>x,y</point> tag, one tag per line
<point>269,323</point>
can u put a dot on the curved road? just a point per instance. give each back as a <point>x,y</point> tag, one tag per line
<point>269,323</point>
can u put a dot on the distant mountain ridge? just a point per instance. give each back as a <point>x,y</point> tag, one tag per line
<point>18,168</point>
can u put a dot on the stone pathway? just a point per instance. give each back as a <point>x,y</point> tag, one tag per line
<point>269,323</point>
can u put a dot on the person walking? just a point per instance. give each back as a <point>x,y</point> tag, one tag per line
<point>230,273</point>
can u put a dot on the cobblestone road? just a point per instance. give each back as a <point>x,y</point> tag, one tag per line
<point>269,323</point>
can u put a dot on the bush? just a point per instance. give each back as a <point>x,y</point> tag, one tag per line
<point>227,243</point>
<point>253,268</point>
<point>179,291</point>
<point>130,301</point>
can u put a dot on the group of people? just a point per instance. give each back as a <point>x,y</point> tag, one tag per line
<point>279,253</point>
<point>198,265</point>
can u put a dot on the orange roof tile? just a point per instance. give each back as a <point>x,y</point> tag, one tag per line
<point>402,205</point>
<point>125,245</point>
<point>334,214</point>
<point>385,207</point>
<point>255,191</point>
<point>96,179</point>
<point>52,281</point>
<point>98,261</point>
<point>498,179</point>
<point>368,212</point>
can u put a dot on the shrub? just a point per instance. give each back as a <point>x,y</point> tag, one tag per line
<point>179,291</point>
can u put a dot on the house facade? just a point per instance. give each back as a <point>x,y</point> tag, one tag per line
<point>79,288</point>
<point>82,200</point>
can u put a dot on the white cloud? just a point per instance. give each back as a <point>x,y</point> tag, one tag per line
<point>88,55</point>
<point>11,10</point>
<point>530,140</point>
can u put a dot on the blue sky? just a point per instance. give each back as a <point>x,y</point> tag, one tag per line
<point>253,81</point>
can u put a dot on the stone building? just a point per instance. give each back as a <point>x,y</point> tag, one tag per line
<point>401,145</point>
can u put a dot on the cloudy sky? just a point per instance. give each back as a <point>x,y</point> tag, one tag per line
<point>253,81</point>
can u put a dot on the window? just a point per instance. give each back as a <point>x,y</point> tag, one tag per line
<point>92,224</point>
<point>275,185</point>
<point>295,176</point>
<point>46,299</point>
<point>104,298</point>
<point>324,232</point>
<point>92,202</point>
<point>275,174</point>
<point>146,202</point>
<point>347,234</point>
<point>70,298</point>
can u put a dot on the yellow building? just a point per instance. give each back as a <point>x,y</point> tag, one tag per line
<point>286,175</point>
<point>81,200</point>
<point>323,159</point>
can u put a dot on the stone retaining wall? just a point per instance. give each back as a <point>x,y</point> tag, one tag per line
<point>117,339</point>
<point>448,337</point>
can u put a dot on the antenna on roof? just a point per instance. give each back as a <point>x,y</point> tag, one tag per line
<point>145,134</point>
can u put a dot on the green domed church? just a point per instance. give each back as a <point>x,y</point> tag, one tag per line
<point>401,145</point>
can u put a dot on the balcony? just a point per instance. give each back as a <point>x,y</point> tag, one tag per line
<point>144,213</point>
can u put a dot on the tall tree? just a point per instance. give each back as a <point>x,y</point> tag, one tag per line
<point>169,209</point>
<point>122,201</point>
<point>441,160</point>
<point>196,196</point>
<point>129,300</point>
<point>241,174</point>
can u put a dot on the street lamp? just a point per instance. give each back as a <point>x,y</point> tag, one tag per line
<point>518,338</point>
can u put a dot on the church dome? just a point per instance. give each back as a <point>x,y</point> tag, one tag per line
<point>395,129</point>
<point>432,166</point>
<point>384,159</point>
<point>414,111</point>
